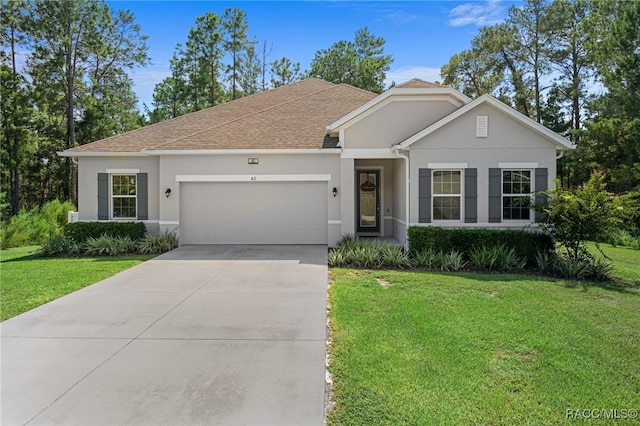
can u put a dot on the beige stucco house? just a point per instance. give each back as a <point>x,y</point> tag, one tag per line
<point>311,161</point>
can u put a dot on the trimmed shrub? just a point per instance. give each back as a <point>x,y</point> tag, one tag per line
<point>394,257</point>
<point>571,268</point>
<point>545,260</point>
<point>452,261</point>
<point>55,245</point>
<point>370,254</point>
<point>336,258</point>
<point>484,258</point>
<point>152,244</point>
<point>80,232</point>
<point>427,258</point>
<point>601,269</point>
<point>365,256</point>
<point>107,245</point>
<point>524,243</point>
<point>508,260</point>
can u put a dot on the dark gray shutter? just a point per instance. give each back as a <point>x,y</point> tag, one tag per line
<point>424,196</point>
<point>143,196</point>
<point>540,182</point>
<point>495,195</point>
<point>471,195</point>
<point>103,196</point>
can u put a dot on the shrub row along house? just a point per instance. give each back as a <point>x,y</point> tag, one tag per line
<point>308,162</point>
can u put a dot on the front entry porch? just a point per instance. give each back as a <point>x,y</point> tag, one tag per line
<point>374,196</point>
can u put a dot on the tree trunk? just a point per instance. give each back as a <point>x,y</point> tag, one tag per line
<point>15,161</point>
<point>71,124</point>
<point>576,93</point>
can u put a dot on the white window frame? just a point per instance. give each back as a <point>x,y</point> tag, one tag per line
<point>530,195</point>
<point>460,196</point>
<point>112,196</point>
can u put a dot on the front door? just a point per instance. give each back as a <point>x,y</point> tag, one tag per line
<point>368,201</point>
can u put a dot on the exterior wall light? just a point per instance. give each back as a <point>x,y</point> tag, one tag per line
<point>334,191</point>
<point>167,192</point>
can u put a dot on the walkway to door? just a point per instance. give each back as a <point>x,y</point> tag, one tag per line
<point>200,335</point>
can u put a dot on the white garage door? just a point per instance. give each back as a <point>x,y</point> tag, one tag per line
<point>253,212</point>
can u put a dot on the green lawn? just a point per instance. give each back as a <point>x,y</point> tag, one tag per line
<point>626,262</point>
<point>419,348</point>
<point>28,281</point>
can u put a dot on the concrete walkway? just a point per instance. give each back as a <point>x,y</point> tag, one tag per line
<point>202,335</point>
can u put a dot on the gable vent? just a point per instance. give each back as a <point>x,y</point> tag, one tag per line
<point>482,126</point>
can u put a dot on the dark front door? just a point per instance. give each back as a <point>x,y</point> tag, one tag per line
<point>368,190</point>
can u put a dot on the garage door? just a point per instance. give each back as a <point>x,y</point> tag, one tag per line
<point>253,212</point>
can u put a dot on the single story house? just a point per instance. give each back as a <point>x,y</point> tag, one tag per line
<point>308,162</point>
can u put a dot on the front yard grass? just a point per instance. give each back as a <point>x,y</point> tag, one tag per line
<point>419,348</point>
<point>625,260</point>
<point>28,280</point>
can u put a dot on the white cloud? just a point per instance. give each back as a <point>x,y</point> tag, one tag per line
<point>478,13</point>
<point>403,74</point>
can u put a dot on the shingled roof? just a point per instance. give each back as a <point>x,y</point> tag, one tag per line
<point>294,116</point>
<point>416,83</point>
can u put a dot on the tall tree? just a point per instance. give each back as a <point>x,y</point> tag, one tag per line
<point>110,107</point>
<point>499,43</point>
<point>361,63</point>
<point>530,25</point>
<point>614,134</point>
<point>283,71</point>
<point>170,96</point>
<point>235,43</point>
<point>570,56</point>
<point>265,52</point>
<point>88,41</point>
<point>59,59</point>
<point>14,103</point>
<point>472,72</point>
<point>204,51</point>
<point>250,70</point>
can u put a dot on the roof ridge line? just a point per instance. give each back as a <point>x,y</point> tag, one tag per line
<point>244,116</point>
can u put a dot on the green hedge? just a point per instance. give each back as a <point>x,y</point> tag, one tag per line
<point>81,231</point>
<point>525,243</point>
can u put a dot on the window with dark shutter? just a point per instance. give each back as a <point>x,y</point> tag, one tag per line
<point>424,195</point>
<point>495,195</point>
<point>471,195</point>
<point>103,196</point>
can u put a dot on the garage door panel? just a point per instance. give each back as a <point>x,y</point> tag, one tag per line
<point>253,212</point>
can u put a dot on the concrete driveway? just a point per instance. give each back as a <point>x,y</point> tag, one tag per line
<point>201,335</point>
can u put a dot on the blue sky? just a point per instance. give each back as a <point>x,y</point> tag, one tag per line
<point>420,35</point>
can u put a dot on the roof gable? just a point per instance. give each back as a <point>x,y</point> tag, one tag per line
<point>414,89</point>
<point>416,83</point>
<point>538,128</point>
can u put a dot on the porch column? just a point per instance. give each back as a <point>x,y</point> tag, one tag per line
<point>347,196</point>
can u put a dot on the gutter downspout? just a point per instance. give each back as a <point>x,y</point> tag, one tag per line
<point>559,154</point>
<point>396,150</point>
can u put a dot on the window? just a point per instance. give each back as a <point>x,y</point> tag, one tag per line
<point>516,194</point>
<point>447,194</point>
<point>123,196</point>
